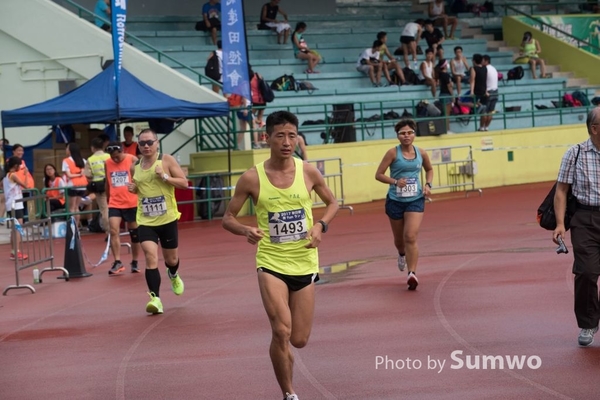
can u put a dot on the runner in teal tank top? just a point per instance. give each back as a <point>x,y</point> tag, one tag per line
<point>287,238</point>
<point>405,202</point>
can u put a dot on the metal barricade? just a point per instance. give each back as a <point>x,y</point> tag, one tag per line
<point>454,169</point>
<point>331,169</point>
<point>36,243</point>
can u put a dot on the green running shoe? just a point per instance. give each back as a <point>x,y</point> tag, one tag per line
<point>176,283</point>
<point>154,306</point>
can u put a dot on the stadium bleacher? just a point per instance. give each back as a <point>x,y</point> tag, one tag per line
<point>339,39</point>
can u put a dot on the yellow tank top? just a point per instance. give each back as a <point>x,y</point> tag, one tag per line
<point>285,216</point>
<point>156,199</point>
<point>97,166</point>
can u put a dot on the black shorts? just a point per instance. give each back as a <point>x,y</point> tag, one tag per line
<point>214,23</point>
<point>18,214</point>
<point>293,282</point>
<point>127,214</point>
<point>491,101</point>
<point>76,192</point>
<point>407,39</point>
<point>167,234</point>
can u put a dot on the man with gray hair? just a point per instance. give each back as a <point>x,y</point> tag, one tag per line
<point>579,172</point>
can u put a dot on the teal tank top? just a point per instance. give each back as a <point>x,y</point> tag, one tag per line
<point>409,170</point>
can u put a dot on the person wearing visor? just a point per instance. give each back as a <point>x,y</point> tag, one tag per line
<point>405,201</point>
<point>122,205</point>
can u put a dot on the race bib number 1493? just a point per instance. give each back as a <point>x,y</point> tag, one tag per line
<point>287,226</point>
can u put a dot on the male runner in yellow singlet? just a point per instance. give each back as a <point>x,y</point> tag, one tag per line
<point>155,178</point>
<point>286,259</point>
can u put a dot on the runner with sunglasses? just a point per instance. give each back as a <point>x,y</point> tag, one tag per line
<point>122,205</point>
<point>155,177</point>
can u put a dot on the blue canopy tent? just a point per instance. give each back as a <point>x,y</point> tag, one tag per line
<point>96,101</point>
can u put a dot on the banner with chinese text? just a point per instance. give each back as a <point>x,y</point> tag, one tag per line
<point>235,56</point>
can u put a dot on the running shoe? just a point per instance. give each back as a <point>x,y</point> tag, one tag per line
<point>117,268</point>
<point>290,397</point>
<point>412,281</point>
<point>20,256</point>
<point>154,306</point>
<point>586,336</point>
<point>176,283</point>
<point>134,267</point>
<point>401,262</point>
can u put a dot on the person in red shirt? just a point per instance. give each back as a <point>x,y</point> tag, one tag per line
<point>122,205</point>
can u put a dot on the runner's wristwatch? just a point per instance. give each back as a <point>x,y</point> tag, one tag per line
<point>324,225</point>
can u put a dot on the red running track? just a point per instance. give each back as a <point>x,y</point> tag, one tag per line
<point>491,284</point>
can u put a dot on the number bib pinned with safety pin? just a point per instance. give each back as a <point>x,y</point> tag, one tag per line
<point>410,190</point>
<point>154,206</point>
<point>119,178</point>
<point>287,226</point>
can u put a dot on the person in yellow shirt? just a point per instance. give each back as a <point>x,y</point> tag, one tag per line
<point>155,177</point>
<point>286,259</point>
<point>95,173</point>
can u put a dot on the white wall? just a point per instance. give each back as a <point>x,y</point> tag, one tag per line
<point>41,29</point>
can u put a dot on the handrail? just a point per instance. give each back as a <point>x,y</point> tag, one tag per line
<point>531,4</point>
<point>380,125</point>
<point>82,10</point>
<point>550,27</point>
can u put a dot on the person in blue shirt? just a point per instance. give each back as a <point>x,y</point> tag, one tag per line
<point>211,19</point>
<point>102,9</point>
<point>405,201</point>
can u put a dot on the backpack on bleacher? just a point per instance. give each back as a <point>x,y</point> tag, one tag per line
<point>265,90</point>
<point>212,68</point>
<point>514,74</point>
<point>569,101</point>
<point>410,76</point>
<point>581,97</point>
<point>284,83</point>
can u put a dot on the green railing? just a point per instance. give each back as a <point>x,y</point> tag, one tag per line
<point>557,6</point>
<point>369,127</point>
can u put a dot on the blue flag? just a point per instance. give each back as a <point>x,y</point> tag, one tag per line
<point>235,56</point>
<point>118,13</point>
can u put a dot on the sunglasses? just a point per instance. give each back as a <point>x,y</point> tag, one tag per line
<point>110,149</point>
<point>405,132</point>
<point>148,143</point>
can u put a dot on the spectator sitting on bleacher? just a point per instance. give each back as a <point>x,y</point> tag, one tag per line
<point>426,72</point>
<point>478,82</point>
<point>102,9</point>
<point>439,54</point>
<point>391,64</point>
<point>368,63</point>
<point>211,19</point>
<point>433,36</point>
<point>302,51</point>
<point>459,67</point>
<point>437,12</point>
<point>268,20</point>
<point>531,48</point>
<point>409,38</point>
